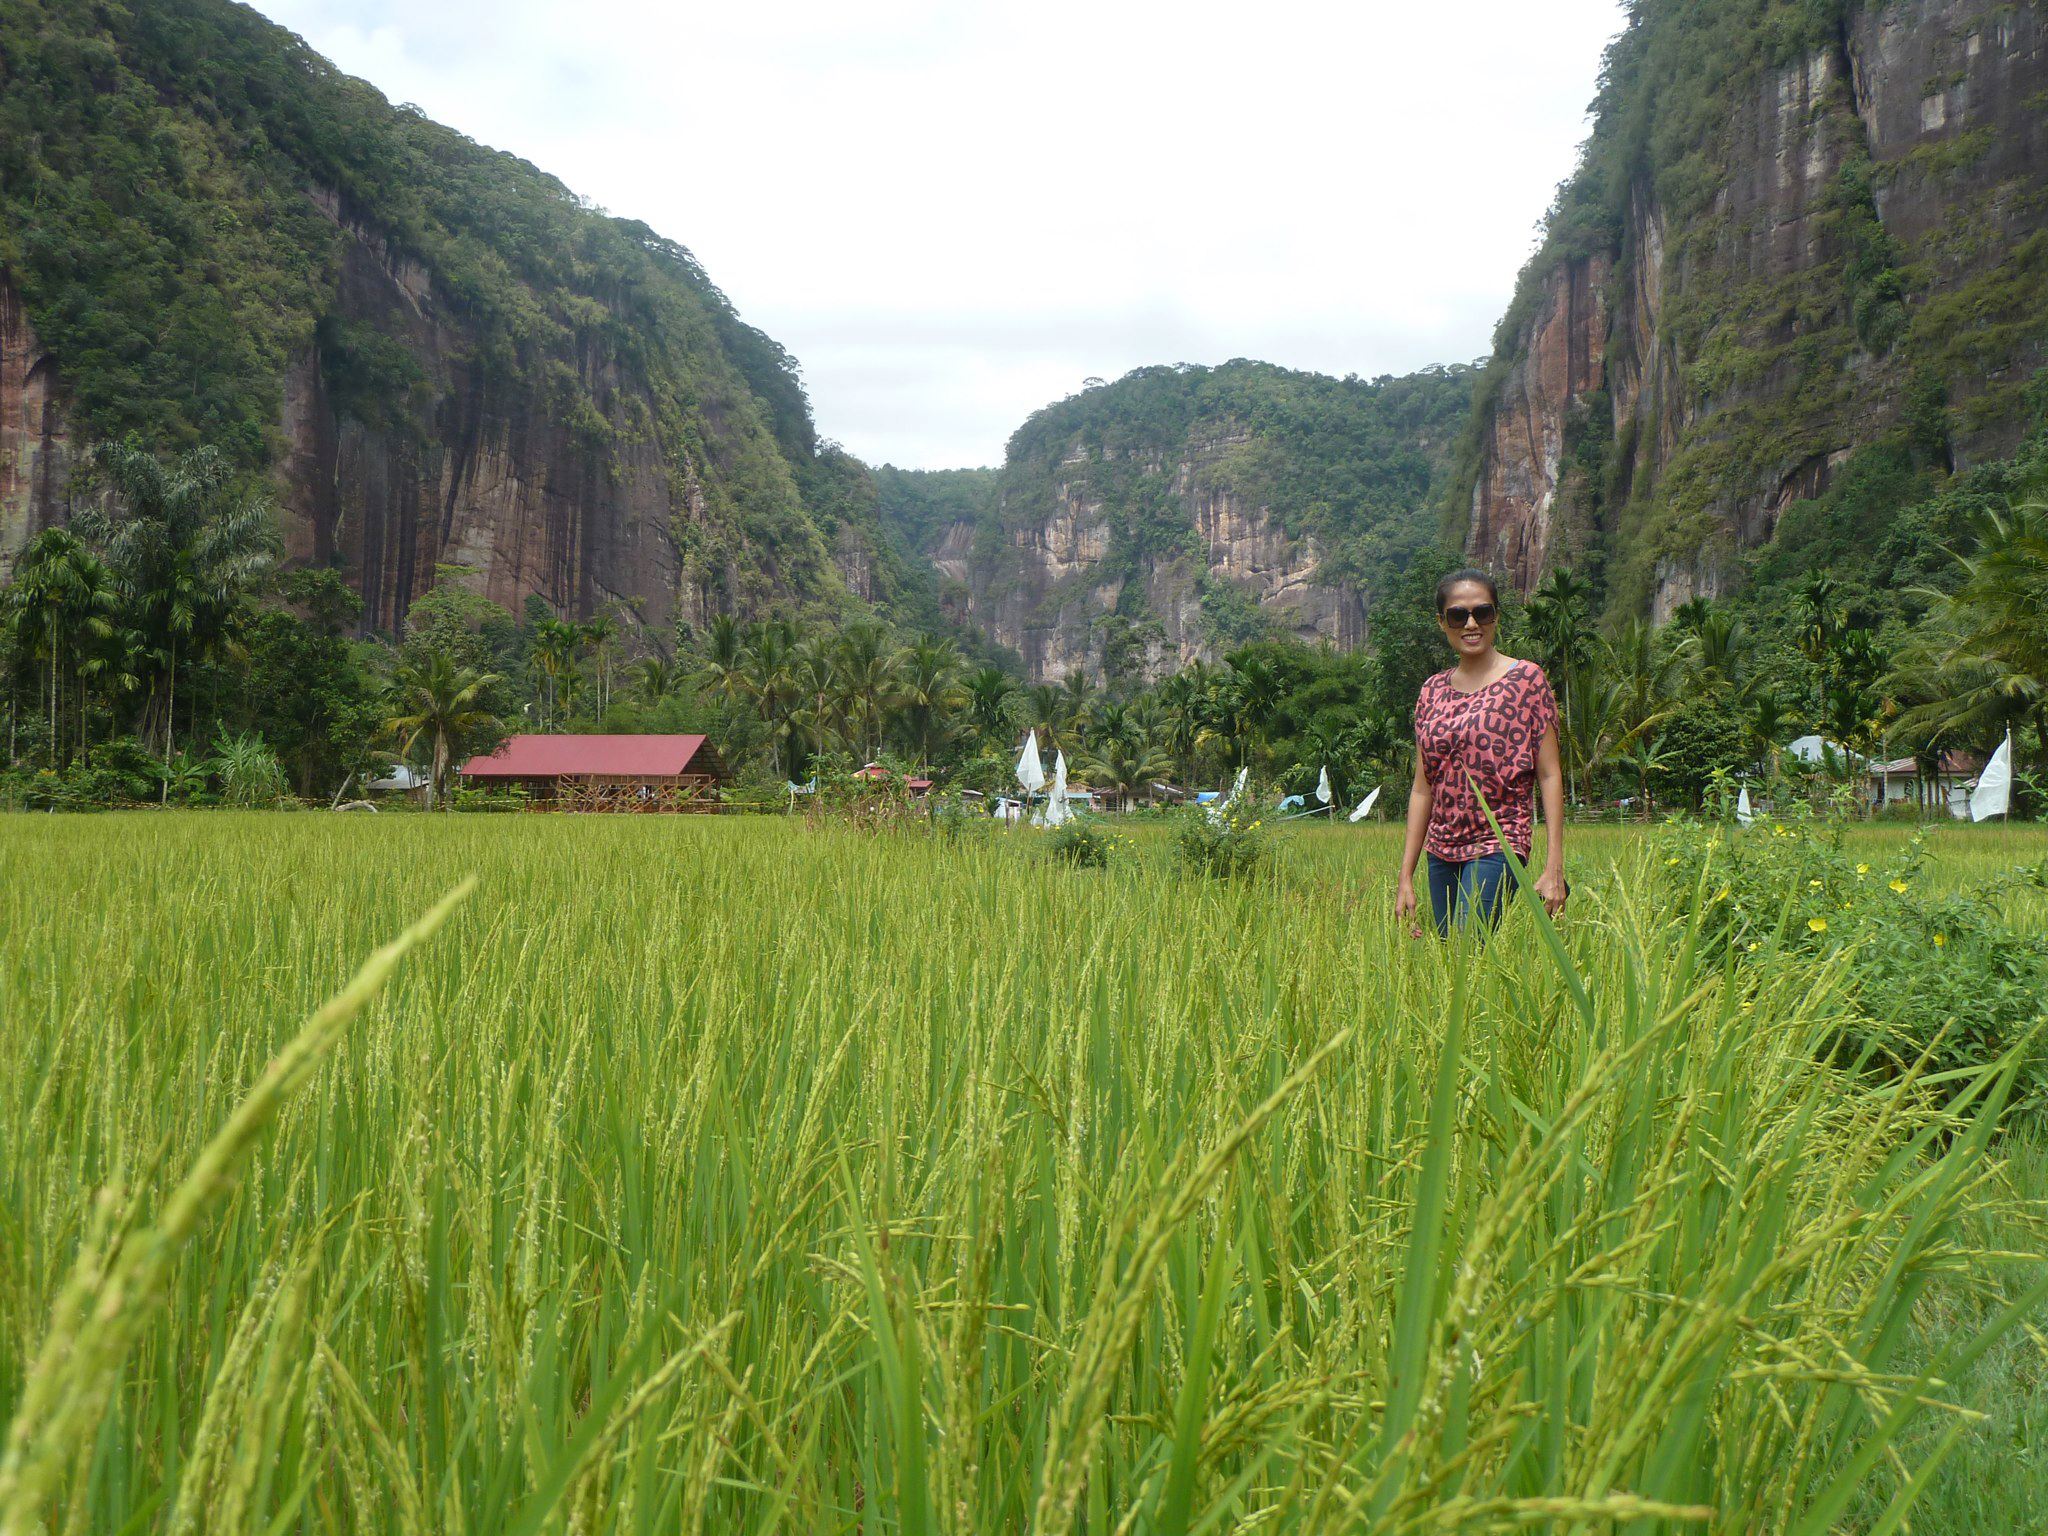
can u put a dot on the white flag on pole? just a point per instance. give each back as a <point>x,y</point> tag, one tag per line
<point>1030,772</point>
<point>1743,813</point>
<point>1218,807</point>
<point>1323,786</point>
<point>1365,806</point>
<point>1056,812</point>
<point>1993,793</point>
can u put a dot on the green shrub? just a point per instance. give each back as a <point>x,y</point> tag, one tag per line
<point>1945,977</point>
<point>248,770</point>
<point>1085,843</point>
<point>1227,844</point>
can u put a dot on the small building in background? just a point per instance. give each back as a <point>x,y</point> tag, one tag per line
<point>605,773</point>
<point>1898,782</point>
<point>403,779</point>
<point>875,773</point>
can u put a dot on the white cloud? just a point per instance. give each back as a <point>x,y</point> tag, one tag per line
<point>952,213</point>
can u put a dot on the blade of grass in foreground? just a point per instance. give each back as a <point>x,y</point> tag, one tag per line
<point>115,1284</point>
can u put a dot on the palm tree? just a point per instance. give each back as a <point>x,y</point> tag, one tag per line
<point>867,683</point>
<point>989,691</point>
<point>1978,665</point>
<point>1125,764</point>
<point>814,682</point>
<point>1646,758</point>
<point>1561,621</point>
<point>60,598</point>
<point>1250,692</point>
<point>600,633</point>
<point>1182,703</point>
<point>928,692</point>
<point>555,642</point>
<point>441,703</point>
<point>719,671</point>
<point>655,679</point>
<point>1045,712</point>
<point>186,545</point>
<point>1819,620</point>
<point>765,671</point>
<point>1717,652</point>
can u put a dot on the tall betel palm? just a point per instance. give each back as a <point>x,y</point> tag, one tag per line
<point>1561,622</point>
<point>555,643</point>
<point>187,544</point>
<point>60,599</point>
<point>441,703</point>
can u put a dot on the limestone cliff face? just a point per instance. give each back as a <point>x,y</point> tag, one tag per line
<point>438,354</point>
<point>1875,223</point>
<point>35,446</point>
<point>462,474</point>
<point>1182,511</point>
<point>1048,594</point>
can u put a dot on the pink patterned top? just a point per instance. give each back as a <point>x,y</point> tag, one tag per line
<point>1491,734</point>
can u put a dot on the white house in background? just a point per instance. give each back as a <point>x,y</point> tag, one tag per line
<point>1898,782</point>
<point>403,779</point>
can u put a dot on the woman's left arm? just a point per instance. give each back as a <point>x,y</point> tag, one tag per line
<point>1550,779</point>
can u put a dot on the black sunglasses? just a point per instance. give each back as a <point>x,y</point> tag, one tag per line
<point>1458,617</point>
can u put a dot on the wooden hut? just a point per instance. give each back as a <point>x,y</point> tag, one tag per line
<point>606,773</point>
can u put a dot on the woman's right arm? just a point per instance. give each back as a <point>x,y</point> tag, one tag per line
<point>1420,797</point>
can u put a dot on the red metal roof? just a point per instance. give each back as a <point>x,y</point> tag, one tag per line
<point>547,757</point>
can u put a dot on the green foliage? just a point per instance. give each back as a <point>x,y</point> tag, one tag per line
<point>1085,842</point>
<point>1226,842</point>
<point>1705,734</point>
<point>248,771</point>
<point>1938,983</point>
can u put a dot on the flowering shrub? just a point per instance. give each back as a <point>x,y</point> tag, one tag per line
<point>1945,974</point>
<point>1228,844</point>
<point>1085,843</point>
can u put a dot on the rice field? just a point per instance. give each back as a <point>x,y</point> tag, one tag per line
<point>741,1176</point>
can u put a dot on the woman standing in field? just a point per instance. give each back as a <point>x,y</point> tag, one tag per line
<point>1489,723</point>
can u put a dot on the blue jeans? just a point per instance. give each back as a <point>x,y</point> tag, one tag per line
<point>1456,888</point>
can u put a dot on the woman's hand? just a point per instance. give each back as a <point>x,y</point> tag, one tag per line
<point>1551,887</point>
<point>1404,899</point>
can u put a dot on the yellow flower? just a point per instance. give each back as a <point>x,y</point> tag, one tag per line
<point>1899,886</point>
<point>1817,924</point>
<point>1862,869</point>
<point>1747,1006</point>
<point>1721,894</point>
<point>1940,939</point>
<point>1670,861</point>
<point>1814,884</point>
<point>1750,947</point>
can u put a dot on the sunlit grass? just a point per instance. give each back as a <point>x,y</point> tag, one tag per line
<point>741,1176</point>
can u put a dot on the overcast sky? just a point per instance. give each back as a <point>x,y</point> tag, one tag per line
<point>953,213</point>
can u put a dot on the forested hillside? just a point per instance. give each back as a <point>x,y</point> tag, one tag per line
<point>1797,282</point>
<point>1180,511</point>
<point>435,353</point>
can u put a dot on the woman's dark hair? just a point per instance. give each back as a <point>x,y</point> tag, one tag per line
<point>1466,573</point>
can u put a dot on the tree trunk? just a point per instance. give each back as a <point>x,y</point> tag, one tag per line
<point>440,770</point>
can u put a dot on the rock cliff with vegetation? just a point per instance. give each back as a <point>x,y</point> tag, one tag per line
<point>436,355</point>
<point>1182,511</point>
<point>1800,231</point>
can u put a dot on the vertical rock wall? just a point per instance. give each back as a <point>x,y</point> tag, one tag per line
<point>1733,351</point>
<point>35,445</point>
